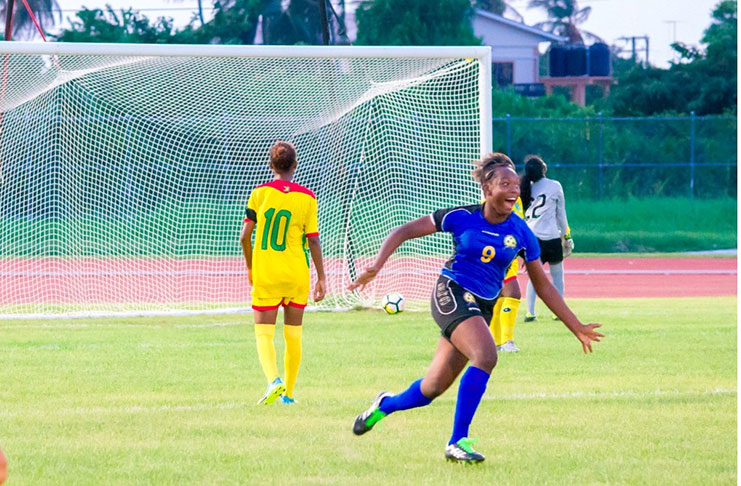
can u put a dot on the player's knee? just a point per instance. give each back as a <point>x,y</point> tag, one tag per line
<point>486,359</point>
<point>433,388</point>
<point>511,289</point>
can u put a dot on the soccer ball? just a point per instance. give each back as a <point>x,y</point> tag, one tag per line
<point>393,303</point>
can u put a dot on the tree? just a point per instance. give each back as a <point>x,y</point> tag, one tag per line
<point>564,16</point>
<point>498,7</point>
<point>703,80</point>
<point>298,23</point>
<point>234,22</point>
<point>415,22</point>
<point>23,26</point>
<point>127,26</point>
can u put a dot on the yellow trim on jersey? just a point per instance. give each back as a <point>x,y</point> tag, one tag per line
<point>517,208</point>
<point>513,270</point>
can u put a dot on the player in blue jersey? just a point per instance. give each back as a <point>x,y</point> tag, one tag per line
<point>487,239</point>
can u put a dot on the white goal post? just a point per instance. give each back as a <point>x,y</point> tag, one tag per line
<point>124,169</point>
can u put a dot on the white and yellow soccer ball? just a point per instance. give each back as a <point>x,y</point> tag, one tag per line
<point>393,303</point>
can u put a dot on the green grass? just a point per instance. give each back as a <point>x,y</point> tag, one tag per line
<point>653,225</point>
<point>172,401</point>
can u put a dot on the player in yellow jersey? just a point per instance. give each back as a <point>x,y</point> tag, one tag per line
<point>503,318</point>
<point>284,215</point>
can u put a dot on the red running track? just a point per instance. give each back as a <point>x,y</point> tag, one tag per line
<point>152,280</point>
<point>648,277</point>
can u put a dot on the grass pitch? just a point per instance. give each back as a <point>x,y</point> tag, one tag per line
<point>172,401</point>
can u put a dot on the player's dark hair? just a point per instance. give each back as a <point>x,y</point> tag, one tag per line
<point>535,170</point>
<point>283,156</point>
<point>487,166</point>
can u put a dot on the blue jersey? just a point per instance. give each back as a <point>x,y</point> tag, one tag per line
<point>483,251</point>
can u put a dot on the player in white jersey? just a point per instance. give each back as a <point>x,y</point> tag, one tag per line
<point>545,214</point>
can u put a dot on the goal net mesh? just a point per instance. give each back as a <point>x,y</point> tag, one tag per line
<point>125,179</point>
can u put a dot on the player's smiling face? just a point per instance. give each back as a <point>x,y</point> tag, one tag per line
<point>502,190</point>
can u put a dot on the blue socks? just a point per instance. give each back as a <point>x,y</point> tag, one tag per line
<point>410,398</point>
<point>470,391</point>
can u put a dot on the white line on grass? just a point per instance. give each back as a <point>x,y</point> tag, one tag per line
<point>614,393</point>
<point>196,407</point>
<point>124,326</point>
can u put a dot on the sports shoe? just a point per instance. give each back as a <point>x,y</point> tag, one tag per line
<point>366,420</point>
<point>462,451</point>
<point>530,317</point>
<point>285,400</point>
<point>509,347</point>
<point>275,389</point>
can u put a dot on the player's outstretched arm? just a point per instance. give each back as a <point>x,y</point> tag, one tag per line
<point>320,288</point>
<point>413,229</point>
<point>245,239</point>
<point>546,291</point>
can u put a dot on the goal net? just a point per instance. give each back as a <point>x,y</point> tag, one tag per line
<point>125,169</point>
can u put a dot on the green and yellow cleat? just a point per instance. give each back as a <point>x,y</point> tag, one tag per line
<point>275,389</point>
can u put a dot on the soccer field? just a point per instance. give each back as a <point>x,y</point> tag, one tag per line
<point>171,400</point>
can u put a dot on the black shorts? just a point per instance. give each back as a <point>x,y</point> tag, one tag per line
<point>452,304</point>
<point>551,251</point>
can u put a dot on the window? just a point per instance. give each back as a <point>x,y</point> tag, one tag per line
<point>502,73</point>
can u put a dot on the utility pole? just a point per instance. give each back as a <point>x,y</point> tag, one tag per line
<point>634,48</point>
<point>325,21</point>
<point>673,23</point>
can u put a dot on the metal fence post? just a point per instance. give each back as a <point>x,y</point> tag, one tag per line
<point>600,156</point>
<point>509,136</point>
<point>692,154</point>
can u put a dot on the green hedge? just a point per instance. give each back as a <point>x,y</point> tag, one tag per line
<point>653,225</point>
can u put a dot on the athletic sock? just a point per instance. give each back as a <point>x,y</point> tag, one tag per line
<point>292,356</point>
<point>496,323</point>
<point>412,397</point>
<point>470,391</point>
<point>557,276</point>
<point>530,297</point>
<point>508,318</point>
<point>264,334</point>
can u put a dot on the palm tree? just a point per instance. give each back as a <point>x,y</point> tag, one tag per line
<point>499,7</point>
<point>298,21</point>
<point>563,18</point>
<point>47,13</point>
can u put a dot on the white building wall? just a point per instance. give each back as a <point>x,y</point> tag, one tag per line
<point>511,45</point>
<point>525,60</point>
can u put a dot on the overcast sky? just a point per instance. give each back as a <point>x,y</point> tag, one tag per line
<point>663,21</point>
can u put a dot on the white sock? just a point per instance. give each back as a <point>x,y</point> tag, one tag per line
<point>557,276</point>
<point>530,297</point>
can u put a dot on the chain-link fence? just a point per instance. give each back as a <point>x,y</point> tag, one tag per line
<point>613,157</point>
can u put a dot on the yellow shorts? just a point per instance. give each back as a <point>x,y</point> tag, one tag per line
<point>298,300</point>
<point>512,271</point>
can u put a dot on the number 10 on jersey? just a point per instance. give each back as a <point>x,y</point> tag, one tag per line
<point>275,229</point>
